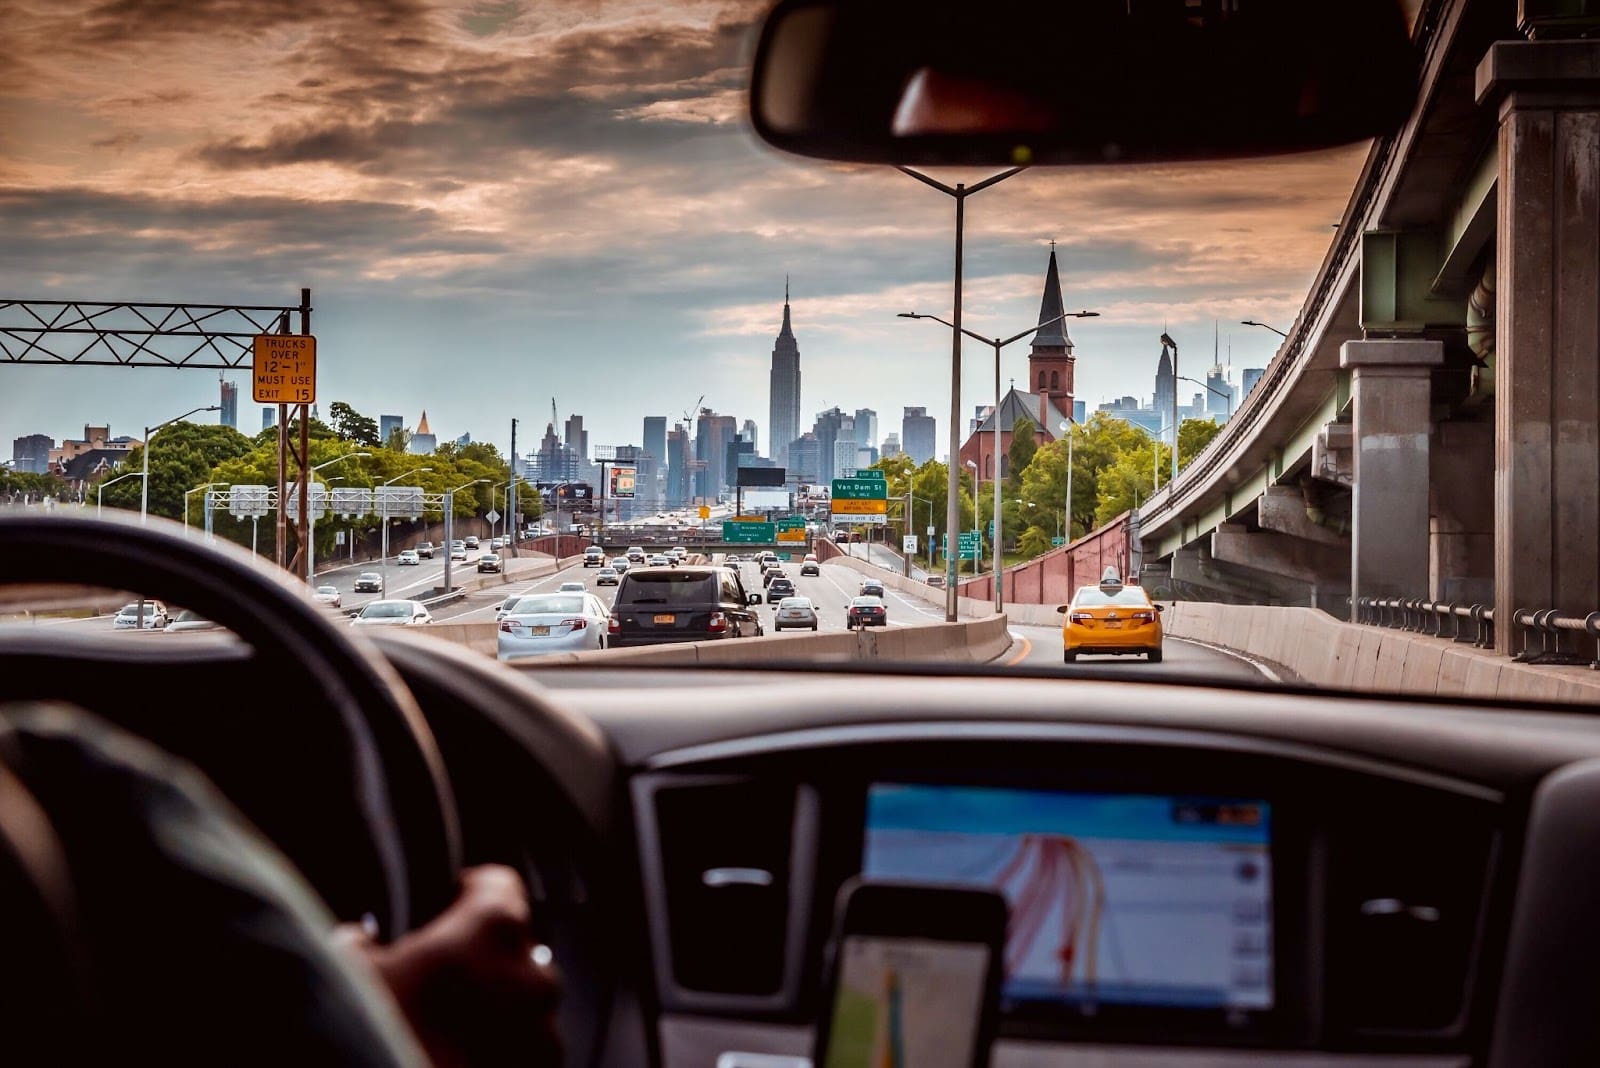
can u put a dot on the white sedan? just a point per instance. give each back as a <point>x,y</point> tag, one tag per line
<point>328,595</point>
<point>543,623</point>
<point>392,614</point>
<point>155,617</point>
<point>795,613</point>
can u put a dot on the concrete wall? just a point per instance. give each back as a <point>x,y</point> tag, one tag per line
<point>1052,578</point>
<point>1324,651</point>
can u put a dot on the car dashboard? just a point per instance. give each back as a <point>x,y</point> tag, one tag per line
<point>1197,875</point>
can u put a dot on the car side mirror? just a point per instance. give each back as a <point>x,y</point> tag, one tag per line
<point>1161,608</point>
<point>1062,608</point>
<point>754,598</point>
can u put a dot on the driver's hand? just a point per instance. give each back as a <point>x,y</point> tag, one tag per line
<point>474,985</point>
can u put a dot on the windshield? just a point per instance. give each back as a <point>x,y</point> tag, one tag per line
<point>386,610</point>
<point>1099,596</point>
<point>1174,402</point>
<point>551,605</point>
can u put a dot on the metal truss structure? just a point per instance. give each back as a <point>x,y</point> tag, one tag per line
<point>87,333</point>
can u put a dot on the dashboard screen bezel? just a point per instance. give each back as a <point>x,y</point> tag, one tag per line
<point>1295,919</point>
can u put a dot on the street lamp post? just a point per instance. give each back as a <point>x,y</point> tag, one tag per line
<point>383,518</point>
<point>450,525</point>
<point>960,192</point>
<point>1069,427</point>
<point>311,515</point>
<point>144,490</point>
<point>1221,393</point>
<point>998,344</point>
<point>99,493</point>
<point>1155,454</point>
<point>1166,340</point>
<point>1264,326</point>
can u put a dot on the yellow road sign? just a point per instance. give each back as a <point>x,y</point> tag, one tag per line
<point>283,369</point>
<point>850,507</point>
<point>792,535</point>
<point>705,512</point>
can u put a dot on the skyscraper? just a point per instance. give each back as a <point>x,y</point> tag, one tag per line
<point>1249,377</point>
<point>891,445</point>
<point>783,425</point>
<point>827,428</point>
<point>423,440</point>
<point>269,417</point>
<point>749,433</point>
<point>577,438</point>
<point>387,425</point>
<point>712,434</point>
<point>230,404</point>
<point>653,461</point>
<point>31,453</point>
<point>804,459</point>
<point>917,435</point>
<point>1166,387</point>
<point>677,446</point>
<point>867,427</point>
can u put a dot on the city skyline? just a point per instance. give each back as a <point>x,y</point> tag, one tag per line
<point>448,244</point>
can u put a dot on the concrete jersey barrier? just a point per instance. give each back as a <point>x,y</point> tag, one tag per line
<point>1325,651</point>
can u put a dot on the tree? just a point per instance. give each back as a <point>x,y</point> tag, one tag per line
<point>399,440</point>
<point>1034,541</point>
<point>1128,480</point>
<point>351,425</point>
<point>19,487</point>
<point>182,457</point>
<point>1193,436</point>
<point>1024,444</point>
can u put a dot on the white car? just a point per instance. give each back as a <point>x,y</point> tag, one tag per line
<point>620,564</point>
<point>408,557</point>
<point>607,576</point>
<point>392,613</point>
<point>188,620</point>
<point>658,560</point>
<point>328,595</point>
<point>543,623</point>
<point>155,616</point>
<point>678,553</point>
<point>458,552</point>
<point>635,554</point>
<point>570,587</point>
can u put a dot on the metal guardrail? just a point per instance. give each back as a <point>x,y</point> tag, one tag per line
<point>1544,631</point>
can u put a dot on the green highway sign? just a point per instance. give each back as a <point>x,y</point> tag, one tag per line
<point>860,489</point>
<point>1058,540</point>
<point>967,542</point>
<point>754,533</point>
<point>794,522</point>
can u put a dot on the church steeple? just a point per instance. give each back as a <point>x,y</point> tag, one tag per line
<point>1050,361</point>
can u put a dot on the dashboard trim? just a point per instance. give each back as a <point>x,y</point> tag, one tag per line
<point>1036,731</point>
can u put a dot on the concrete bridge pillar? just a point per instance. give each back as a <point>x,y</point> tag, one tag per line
<point>1391,388</point>
<point>1547,334</point>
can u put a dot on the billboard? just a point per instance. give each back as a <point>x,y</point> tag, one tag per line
<point>758,499</point>
<point>574,491</point>
<point>761,476</point>
<point>622,482</point>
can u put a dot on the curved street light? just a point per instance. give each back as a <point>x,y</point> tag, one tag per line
<point>150,432</point>
<point>997,344</point>
<point>1264,326</point>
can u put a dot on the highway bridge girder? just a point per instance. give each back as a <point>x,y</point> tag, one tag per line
<point>1280,556</point>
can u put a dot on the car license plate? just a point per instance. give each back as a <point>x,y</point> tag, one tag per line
<point>539,632</point>
<point>1114,623</point>
<point>664,619</point>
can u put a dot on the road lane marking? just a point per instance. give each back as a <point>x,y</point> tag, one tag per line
<point>1027,647</point>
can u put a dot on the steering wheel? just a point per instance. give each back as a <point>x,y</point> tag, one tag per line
<point>365,811</point>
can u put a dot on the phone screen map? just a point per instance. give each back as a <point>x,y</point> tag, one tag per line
<point>906,1003</point>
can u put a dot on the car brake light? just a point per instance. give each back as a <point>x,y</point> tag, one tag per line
<point>614,625</point>
<point>576,623</point>
<point>716,622</point>
<point>510,627</point>
<point>1144,617</point>
<point>1082,617</point>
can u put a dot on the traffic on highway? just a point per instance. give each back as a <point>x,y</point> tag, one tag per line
<point>784,534</point>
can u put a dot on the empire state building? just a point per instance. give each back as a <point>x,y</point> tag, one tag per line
<point>784,423</point>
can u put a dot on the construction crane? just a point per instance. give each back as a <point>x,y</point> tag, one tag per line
<point>688,416</point>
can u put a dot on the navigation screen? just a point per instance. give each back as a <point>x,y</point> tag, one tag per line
<point>1115,898</point>
<point>906,1001</point>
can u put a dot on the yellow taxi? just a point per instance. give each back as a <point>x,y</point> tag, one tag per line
<point>1111,618</point>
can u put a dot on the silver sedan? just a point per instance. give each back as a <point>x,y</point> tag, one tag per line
<point>795,613</point>
<point>542,623</point>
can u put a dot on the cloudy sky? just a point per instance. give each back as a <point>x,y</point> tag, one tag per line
<point>501,201</point>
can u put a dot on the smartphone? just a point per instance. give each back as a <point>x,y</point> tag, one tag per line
<point>914,977</point>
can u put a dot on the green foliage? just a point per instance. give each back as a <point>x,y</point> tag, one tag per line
<point>1130,479</point>
<point>1034,541</point>
<point>399,440</point>
<point>182,456</point>
<point>1193,436</point>
<point>1024,444</point>
<point>26,484</point>
<point>351,425</point>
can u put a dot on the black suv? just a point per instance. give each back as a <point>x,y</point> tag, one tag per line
<point>778,589</point>
<point>682,604</point>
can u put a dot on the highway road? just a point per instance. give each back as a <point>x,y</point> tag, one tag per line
<point>1039,647</point>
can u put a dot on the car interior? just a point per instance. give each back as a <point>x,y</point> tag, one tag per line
<point>1341,879</point>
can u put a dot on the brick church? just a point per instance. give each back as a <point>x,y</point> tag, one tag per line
<point>1050,364</point>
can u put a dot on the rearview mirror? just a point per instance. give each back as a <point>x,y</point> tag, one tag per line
<point>1013,82</point>
<point>754,598</point>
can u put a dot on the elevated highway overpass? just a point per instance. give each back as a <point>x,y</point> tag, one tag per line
<point>1430,426</point>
